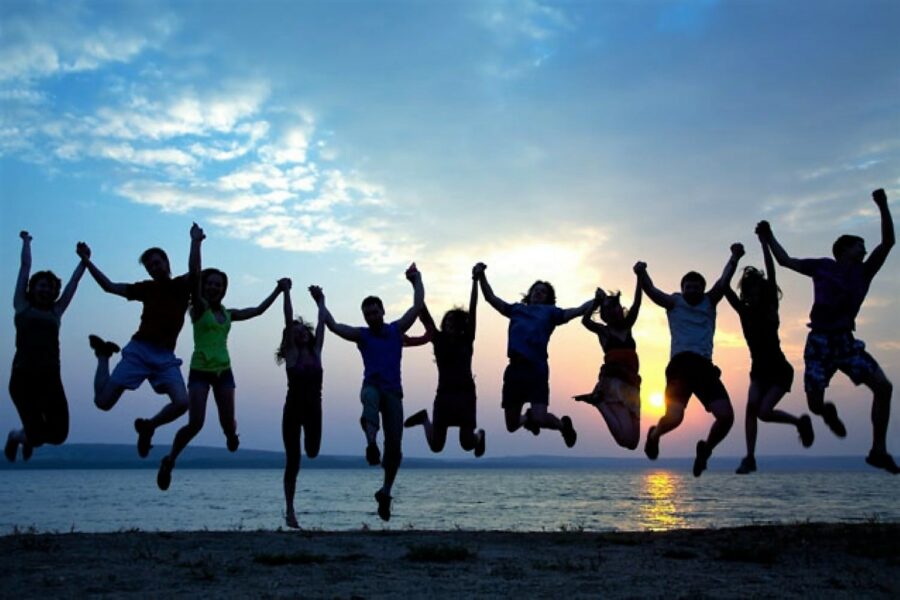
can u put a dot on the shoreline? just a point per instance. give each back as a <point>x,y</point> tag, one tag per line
<point>793,560</point>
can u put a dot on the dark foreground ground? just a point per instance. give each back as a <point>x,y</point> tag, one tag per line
<point>809,560</point>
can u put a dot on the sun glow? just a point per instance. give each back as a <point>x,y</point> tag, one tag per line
<point>656,401</point>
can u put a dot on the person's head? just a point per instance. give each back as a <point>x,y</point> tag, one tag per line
<point>373,311</point>
<point>156,261</point>
<point>303,334</point>
<point>213,285</point>
<point>693,286</point>
<point>540,292</point>
<point>849,248</point>
<point>455,322</point>
<point>752,287</point>
<point>43,289</point>
<point>611,310</point>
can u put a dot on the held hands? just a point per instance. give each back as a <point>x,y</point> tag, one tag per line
<point>197,234</point>
<point>317,294</point>
<point>737,250</point>
<point>412,273</point>
<point>26,237</point>
<point>640,267</point>
<point>284,284</point>
<point>83,251</point>
<point>763,230</point>
<point>599,295</point>
<point>880,197</point>
<point>478,270</point>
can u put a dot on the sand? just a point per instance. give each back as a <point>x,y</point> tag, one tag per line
<point>805,560</point>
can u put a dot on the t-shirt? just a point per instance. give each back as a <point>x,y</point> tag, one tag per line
<point>381,354</point>
<point>692,327</point>
<point>37,339</point>
<point>530,326</point>
<point>839,290</point>
<point>211,342</point>
<point>453,355</point>
<point>165,303</point>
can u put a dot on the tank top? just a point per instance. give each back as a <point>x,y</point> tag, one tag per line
<point>211,342</point>
<point>37,339</point>
<point>304,383</point>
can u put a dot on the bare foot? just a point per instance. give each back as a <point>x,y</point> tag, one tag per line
<point>290,520</point>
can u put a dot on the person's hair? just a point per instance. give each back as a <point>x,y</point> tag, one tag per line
<point>606,304</point>
<point>146,254</point>
<point>207,273</point>
<point>693,276</point>
<point>754,277</point>
<point>455,313</point>
<point>371,300</point>
<point>843,243</point>
<point>55,283</point>
<point>288,331</point>
<point>551,295</point>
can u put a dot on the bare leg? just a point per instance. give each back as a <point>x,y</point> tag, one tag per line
<point>196,417</point>
<point>544,419</point>
<point>225,404</point>
<point>290,435</point>
<point>670,420</point>
<point>106,394</point>
<point>882,390</point>
<point>623,426</point>
<point>177,406</point>
<point>514,418</point>
<point>724,414</point>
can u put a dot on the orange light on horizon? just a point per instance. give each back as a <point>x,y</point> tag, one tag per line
<point>655,403</point>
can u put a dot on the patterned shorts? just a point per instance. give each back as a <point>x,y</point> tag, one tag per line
<point>826,353</point>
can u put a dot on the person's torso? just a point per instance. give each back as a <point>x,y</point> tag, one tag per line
<point>692,327</point>
<point>164,307</point>
<point>37,338</point>
<point>839,291</point>
<point>381,354</point>
<point>530,327</point>
<point>211,342</point>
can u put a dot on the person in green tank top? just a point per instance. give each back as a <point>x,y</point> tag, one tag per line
<point>210,362</point>
<point>35,386</point>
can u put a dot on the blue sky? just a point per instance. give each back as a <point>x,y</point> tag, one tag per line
<point>335,142</point>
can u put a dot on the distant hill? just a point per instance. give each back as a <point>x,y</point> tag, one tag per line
<point>124,456</point>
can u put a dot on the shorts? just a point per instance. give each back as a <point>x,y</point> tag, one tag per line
<point>826,353</point>
<point>773,372</point>
<point>221,380</point>
<point>525,382</point>
<point>689,373</point>
<point>454,408</point>
<point>142,360</point>
<point>388,405</point>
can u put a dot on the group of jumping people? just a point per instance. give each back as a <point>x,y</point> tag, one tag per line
<point>840,287</point>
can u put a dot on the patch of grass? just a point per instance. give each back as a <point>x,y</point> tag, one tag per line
<point>438,553</point>
<point>294,558</point>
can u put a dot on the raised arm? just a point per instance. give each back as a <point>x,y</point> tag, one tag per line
<point>427,321</point>
<point>410,316</point>
<point>351,334</point>
<point>473,305</point>
<point>586,319</point>
<point>198,304</point>
<point>880,253</point>
<point>718,289</point>
<point>242,314</point>
<point>632,315</point>
<point>69,291</point>
<point>320,330</point>
<point>656,295</point>
<point>502,307</point>
<point>20,300</point>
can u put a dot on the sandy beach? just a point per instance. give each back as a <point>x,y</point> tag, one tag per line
<point>806,560</point>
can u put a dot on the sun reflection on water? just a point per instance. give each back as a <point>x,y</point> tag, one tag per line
<point>661,495</point>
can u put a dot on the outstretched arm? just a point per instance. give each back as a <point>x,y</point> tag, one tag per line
<point>20,300</point>
<point>69,292</point>
<point>724,282</point>
<point>198,304</point>
<point>577,311</point>
<point>351,334</point>
<point>242,314</point>
<point>409,317</point>
<point>320,330</point>
<point>656,295</point>
<point>632,316</point>
<point>502,307</point>
<point>880,253</point>
<point>586,319</point>
<point>119,289</point>
<point>764,231</point>
<point>290,346</point>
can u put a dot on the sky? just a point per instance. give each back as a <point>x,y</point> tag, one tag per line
<point>336,142</point>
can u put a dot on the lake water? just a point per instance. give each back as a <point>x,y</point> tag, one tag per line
<point>439,499</point>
